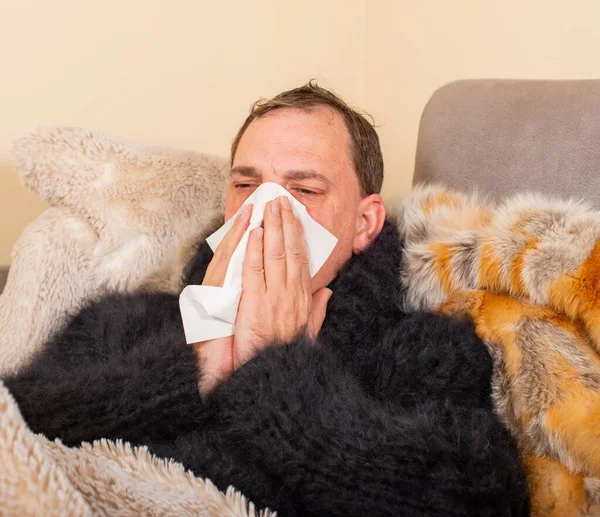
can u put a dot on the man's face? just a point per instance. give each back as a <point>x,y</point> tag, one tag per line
<point>308,154</point>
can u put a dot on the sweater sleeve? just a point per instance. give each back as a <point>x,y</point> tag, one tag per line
<point>293,431</point>
<point>120,369</point>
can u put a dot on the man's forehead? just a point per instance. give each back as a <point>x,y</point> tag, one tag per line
<point>304,139</point>
<point>318,122</point>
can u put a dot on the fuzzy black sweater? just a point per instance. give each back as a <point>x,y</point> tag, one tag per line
<point>387,414</point>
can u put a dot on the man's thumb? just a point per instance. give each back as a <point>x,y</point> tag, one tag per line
<point>320,301</point>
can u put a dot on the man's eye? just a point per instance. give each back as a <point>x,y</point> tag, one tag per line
<point>243,186</point>
<point>306,192</point>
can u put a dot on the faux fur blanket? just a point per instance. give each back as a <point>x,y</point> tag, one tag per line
<point>528,273</point>
<point>119,211</point>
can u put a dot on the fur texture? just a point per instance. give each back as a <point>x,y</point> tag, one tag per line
<point>123,216</point>
<point>387,414</point>
<point>527,273</point>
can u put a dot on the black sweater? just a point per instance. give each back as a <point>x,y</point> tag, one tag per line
<point>386,414</point>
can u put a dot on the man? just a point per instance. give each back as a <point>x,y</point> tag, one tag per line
<point>328,400</point>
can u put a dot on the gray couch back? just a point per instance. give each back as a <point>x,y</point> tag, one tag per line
<point>507,135</point>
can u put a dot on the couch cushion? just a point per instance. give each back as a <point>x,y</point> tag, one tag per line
<point>502,136</point>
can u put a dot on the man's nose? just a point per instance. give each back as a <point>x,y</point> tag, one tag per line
<point>273,177</point>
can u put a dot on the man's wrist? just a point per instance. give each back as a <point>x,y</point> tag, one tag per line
<point>215,363</point>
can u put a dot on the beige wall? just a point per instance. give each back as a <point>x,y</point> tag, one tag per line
<point>183,73</point>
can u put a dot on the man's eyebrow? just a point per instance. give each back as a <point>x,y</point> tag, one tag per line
<point>294,174</point>
<point>307,174</point>
<point>245,170</point>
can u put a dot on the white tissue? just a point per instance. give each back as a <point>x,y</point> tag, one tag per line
<point>210,312</point>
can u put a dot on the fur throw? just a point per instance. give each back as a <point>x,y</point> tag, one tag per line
<point>122,216</point>
<point>528,274</point>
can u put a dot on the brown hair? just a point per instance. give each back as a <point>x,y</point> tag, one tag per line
<point>366,152</point>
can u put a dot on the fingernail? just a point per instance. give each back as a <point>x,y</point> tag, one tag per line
<point>285,202</point>
<point>248,208</point>
<point>275,206</point>
<point>259,233</point>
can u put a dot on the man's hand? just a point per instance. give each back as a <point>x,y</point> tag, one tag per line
<point>216,356</point>
<point>276,304</point>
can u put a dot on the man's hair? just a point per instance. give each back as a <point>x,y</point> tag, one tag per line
<point>365,148</point>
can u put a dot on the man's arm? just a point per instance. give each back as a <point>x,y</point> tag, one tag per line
<point>120,368</point>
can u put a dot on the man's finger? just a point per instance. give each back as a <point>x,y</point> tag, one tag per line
<point>215,273</point>
<point>274,246</point>
<point>296,254</point>
<point>253,279</point>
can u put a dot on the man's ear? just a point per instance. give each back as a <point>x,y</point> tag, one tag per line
<point>371,216</point>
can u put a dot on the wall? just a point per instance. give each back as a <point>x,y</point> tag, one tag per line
<point>185,74</point>
<point>182,73</point>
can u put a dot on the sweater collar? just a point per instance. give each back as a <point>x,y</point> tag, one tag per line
<point>366,293</point>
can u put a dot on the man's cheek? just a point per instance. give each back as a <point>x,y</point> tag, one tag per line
<point>230,211</point>
<point>233,203</point>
